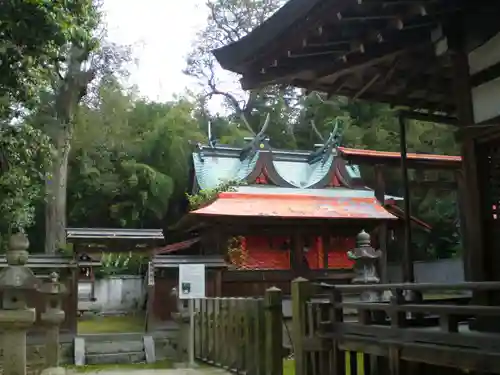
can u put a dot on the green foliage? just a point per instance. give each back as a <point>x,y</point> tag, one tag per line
<point>25,158</point>
<point>32,36</point>
<point>130,159</point>
<point>207,196</point>
<point>114,264</point>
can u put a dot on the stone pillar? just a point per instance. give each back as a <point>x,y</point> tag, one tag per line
<point>181,317</point>
<point>365,259</point>
<point>15,316</point>
<point>53,316</point>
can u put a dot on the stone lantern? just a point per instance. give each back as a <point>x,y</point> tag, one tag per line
<point>365,259</point>
<point>53,316</point>
<point>16,280</point>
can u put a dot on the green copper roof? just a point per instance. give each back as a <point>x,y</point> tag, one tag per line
<point>212,170</point>
<point>353,171</point>
<point>303,175</point>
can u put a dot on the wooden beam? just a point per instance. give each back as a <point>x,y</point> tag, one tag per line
<point>369,84</point>
<point>399,101</point>
<point>441,185</point>
<point>397,44</point>
<point>322,66</point>
<point>486,75</point>
<point>388,3</point>
<point>430,117</point>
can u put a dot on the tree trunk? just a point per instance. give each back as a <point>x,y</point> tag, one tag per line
<point>56,187</point>
<point>69,92</point>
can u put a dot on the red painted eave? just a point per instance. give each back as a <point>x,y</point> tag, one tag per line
<point>295,206</point>
<point>396,155</point>
<point>171,248</point>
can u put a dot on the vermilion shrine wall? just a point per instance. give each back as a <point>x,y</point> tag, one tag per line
<point>272,253</point>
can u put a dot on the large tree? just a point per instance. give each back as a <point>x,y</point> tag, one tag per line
<point>75,67</point>
<point>31,36</point>
<point>228,21</point>
<point>129,164</point>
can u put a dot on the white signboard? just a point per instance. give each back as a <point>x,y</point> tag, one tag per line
<point>151,274</point>
<point>191,281</point>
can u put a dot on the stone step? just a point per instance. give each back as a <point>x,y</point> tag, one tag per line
<point>108,347</point>
<point>115,358</point>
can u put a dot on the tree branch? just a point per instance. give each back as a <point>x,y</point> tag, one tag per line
<point>315,129</point>
<point>234,102</point>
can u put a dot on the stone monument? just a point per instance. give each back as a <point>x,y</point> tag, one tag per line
<point>365,259</point>
<point>16,280</point>
<point>52,317</point>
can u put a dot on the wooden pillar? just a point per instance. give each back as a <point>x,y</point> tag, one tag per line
<point>150,313</point>
<point>73,296</point>
<point>325,239</point>
<point>218,283</point>
<point>462,201</point>
<point>383,227</point>
<point>408,275</point>
<point>474,245</point>
<point>297,253</point>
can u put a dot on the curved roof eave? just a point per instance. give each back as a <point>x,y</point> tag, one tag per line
<point>234,55</point>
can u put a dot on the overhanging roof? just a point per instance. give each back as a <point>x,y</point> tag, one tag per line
<point>372,157</point>
<point>385,51</point>
<point>46,261</point>
<point>295,206</point>
<point>114,233</point>
<point>174,247</point>
<point>173,261</point>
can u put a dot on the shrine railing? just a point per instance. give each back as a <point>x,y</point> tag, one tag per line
<point>242,335</point>
<point>338,333</point>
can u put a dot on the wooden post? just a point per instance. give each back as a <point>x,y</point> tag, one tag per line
<point>338,364</point>
<point>226,343</point>
<point>382,230</point>
<point>462,201</point>
<point>150,316</point>
<point>213,331</point>
<point>248,336</point>
<point>74,300</point>
<point>325,239</point>
<point>301,292</point>
<point>217,332</point>
<point>475,256</point>
<point>408,275</point>
<point>297,253</point>
<point>218,283</point>
<point>398,320</point>
<point>260,334</point>
<point>205,329</point>
<point>274,331</point>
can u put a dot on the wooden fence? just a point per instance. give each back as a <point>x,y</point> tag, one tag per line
<point>242,335</point>
<point>397,336</point>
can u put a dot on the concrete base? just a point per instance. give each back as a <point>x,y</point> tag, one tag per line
<point>149,349</point>
<point>54,371</point>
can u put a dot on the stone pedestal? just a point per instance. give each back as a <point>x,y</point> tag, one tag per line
<point>365,260</point>
<point>15,316</point>
<point>52,318</point>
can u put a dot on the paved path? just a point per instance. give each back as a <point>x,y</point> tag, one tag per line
<point>177,371</point>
